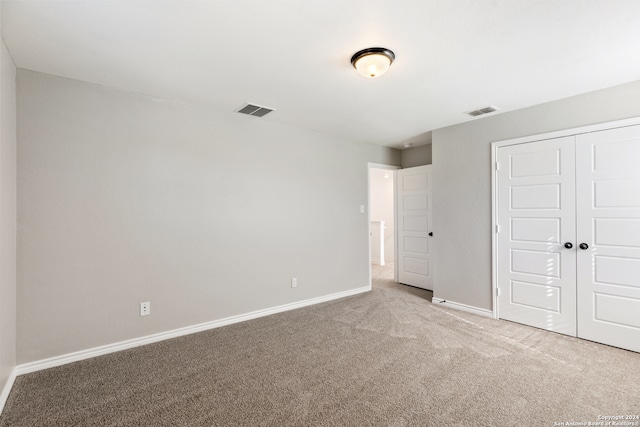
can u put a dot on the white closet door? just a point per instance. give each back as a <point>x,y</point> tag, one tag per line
<point>608,203</point>
<point>536,218</point>
<point>414,225</point>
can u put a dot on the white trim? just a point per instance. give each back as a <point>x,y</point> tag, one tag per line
<point>395,225</point>
<point>51,362</point>
<point>494,180</point>
<point>459,306</point>
<point>494,230</point>
<point>7,389</point>
<point>383,166</point>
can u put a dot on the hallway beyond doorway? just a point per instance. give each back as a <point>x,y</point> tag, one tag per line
<point>382,277</point>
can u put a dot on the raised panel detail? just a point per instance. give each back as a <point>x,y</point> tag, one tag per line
<point>617,309</point>
<point>414,182</point>
<point>542,230</point>
<point>416,244</point>
<point>535,196</point>
<point>415,223</point>
<point>539,163</point>
<point>617,232</point>
<point>418,266</point>
<point>618,156</point>
<point>419,280</point>
<point>617,271</point>
<point>535,295</point>
<point>545,264</point>
<point>617,193</point>
<point>415,202</point>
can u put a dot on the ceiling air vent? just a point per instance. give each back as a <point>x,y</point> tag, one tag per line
<point>481,111</point>
<point>255,110</point>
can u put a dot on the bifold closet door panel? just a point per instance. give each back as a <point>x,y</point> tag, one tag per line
<point>608,227</point>
<point>536,219</point>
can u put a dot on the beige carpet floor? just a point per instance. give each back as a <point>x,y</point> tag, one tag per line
<point>385,358</point>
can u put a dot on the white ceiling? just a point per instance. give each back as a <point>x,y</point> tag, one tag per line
<point>452,56</point>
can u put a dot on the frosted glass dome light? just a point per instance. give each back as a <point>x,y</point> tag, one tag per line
<point>372,62</point>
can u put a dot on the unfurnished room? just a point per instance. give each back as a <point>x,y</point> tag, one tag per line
<point>319,213</point>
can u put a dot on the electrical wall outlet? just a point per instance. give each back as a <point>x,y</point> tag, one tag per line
<point>145,308</point>
<point>294,282</point>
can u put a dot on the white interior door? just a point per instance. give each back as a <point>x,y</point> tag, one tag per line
<point>536,218</point>
<point>414,225</point>
<point>608,202</point>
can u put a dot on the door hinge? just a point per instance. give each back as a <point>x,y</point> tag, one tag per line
<point>498,291</point>
<point>497,228</point>
<point>497,166</point>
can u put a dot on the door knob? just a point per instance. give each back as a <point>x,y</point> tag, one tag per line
<point>568,245</point>
<point>584,246</point>
<point>431,233</point>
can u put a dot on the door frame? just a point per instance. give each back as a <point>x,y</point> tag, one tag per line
<point>494,186</point>
<point>393,169</point>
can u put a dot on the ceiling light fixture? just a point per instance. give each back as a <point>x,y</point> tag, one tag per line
<point>372,62</point>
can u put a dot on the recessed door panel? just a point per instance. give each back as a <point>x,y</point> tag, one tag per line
<point>612,270</point>
<point>617,311</point>
<point>617,232</point>
<point>546,264</point>
<point>535,295</point>
<point>535,164</point>
<point>417,280</point>
<point>535,196</point>
<point>416,265</point>
<point>617,155</point>
<point>540,230</point>
<point>415,222</point>
<point>617,193</point>
<point>414,182</point>
<point>416,244</point>
<point>415,202</point>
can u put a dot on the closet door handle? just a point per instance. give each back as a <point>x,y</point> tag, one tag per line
<point>584,246</point>
<point>568,245</point>
<point>431,233</point>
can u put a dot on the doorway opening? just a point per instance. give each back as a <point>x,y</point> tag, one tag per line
<point>382,239</point>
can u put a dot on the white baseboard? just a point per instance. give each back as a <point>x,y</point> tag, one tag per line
<point>51,362</point>
<point>463,307</point>
<point>7,389</point>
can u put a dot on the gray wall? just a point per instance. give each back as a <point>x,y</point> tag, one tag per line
<point>462,182</point>
<point>123,199</point>
<point>416,156</point>
<point>7,215</point>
